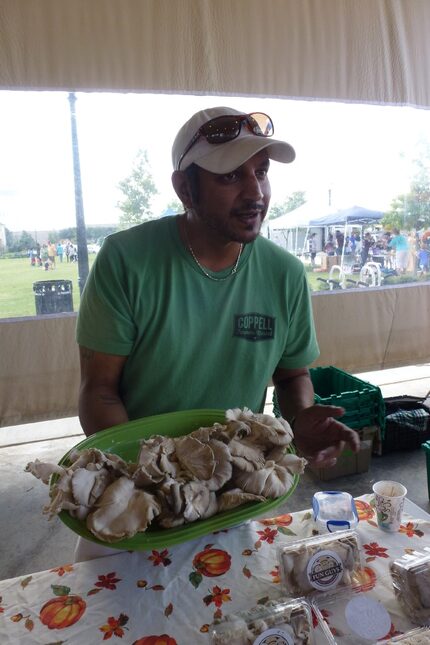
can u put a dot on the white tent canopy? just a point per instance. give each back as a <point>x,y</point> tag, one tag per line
<point>313,215</point>
<point>301,217</point>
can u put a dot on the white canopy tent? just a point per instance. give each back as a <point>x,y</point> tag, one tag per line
<point>292,229</point>
<point>308,217</point>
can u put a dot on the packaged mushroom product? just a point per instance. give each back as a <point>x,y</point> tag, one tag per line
<point>418,636</point>
<point>411,582</point>
<point>320,563</point>
<point>353,617</point>
<point>283,621</point>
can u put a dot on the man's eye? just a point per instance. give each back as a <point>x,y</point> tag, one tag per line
<point>261,174</point>
<point>230,177</point>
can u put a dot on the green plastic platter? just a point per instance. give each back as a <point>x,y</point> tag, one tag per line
<point>124,440</point>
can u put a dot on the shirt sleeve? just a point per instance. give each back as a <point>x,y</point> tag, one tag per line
<point>301,347</point>
<point>105,319</point>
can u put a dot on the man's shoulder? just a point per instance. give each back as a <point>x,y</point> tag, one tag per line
<point>136,235</point>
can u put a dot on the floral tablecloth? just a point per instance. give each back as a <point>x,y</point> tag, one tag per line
<point>171,596</point>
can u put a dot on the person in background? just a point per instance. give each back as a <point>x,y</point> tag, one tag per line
<point>367,244</point>
<point>60,251</point>
<point>312,244</point>
<point>52,252</point>
<point>329,245</point>
<point>340,240</point>
<point>423,255</point>
<point>399,244</point>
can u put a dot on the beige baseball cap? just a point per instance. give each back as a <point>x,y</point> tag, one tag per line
<point>225,157</point>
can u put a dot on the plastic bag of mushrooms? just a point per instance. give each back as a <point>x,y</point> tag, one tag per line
<point>175,480</point>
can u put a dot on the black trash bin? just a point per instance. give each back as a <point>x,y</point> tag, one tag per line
<point>53,296</point>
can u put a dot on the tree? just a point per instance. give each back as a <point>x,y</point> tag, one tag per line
<point>412,210</point>
<point>173,207</point>
<point>23,243</point>
<point>139,189</point>
<point>291,202</point>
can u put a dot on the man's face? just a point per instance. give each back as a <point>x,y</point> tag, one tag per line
<point>234,205</point>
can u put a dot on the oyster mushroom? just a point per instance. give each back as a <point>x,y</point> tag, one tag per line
<point>122,511</point>
<point>200,502</point>
<point>156,459</point>
<point>265,429</point>
<point>236,497</point>
<point>87,486</point>
<point>43,470</point>
<point>223,466</point>
<point>271,481</point>
<point>196,457</point>
<point>61,496</point>
<point>289,460</point>
<point>89,456</point>
<point>246,456</point>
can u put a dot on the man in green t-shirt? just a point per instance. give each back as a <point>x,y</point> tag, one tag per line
<point>199,310</point>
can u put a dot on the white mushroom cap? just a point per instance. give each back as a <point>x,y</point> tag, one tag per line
<point>122,511</point>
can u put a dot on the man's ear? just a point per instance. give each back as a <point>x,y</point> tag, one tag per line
<point>182,188</point>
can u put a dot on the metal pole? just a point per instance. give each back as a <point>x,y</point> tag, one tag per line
<point>81,232</point>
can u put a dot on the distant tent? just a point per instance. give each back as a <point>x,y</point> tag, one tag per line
<point>354,215</point>
<point>300,217</point>
<point>314,216</point>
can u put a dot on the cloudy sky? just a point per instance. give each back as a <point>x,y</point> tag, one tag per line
<point>363,154</point>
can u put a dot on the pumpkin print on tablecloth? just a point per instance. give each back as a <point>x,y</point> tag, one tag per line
<point>62,611</point>
<point>164,639</point>
<point>364,510</point>
<point>211,563</point>
<point>364,579</point>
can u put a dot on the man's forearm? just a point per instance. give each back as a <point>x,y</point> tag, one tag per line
<point>99,408</point>
<point>294,393</point>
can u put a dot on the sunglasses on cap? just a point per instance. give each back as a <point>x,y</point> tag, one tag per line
<point>228,127</point>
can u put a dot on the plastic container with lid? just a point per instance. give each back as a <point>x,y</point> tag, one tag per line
<point>290,620</point>
<point>353,617</point>
<point>411,581</point>
<point>319,564</point>
<point>417,636</point>
<point>334,511</point>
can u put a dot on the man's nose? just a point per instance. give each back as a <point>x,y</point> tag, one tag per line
<point>252,188</point>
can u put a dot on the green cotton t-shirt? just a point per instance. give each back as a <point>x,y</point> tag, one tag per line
<point>193,342</point>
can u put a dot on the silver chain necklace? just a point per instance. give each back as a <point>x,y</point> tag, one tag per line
<point>202,269</point>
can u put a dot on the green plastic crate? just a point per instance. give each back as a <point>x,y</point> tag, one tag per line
<point>426,447</point>
<point>363,402</point>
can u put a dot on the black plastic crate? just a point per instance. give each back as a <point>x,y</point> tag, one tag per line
<point>407,423</point>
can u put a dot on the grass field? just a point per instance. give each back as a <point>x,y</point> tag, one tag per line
<point>17,277</point>
<point>16,285</point>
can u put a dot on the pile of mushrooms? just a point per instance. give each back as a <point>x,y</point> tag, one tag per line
<point>175,480</point>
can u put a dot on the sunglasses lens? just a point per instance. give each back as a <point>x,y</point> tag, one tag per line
<point>261,124</point>
<point>222,129</point>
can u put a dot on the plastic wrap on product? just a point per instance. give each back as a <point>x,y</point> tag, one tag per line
<point>291,619</point>
<point>319,564</point>
<point>411,581</point>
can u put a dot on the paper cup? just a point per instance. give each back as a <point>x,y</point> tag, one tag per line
<point>389,502</point>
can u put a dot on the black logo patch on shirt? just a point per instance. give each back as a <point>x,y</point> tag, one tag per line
<point>254,326</point>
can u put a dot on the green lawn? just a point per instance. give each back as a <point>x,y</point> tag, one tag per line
<point>17,277</point>
<point>16,284</point>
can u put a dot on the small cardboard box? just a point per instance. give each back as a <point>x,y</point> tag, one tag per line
<point>348,463</point>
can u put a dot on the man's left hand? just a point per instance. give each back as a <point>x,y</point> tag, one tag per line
<point>320,438</point>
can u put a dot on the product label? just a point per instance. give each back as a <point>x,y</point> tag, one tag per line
<point>324,570</point>
<point>274,637</point>
<point>367,618</point>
